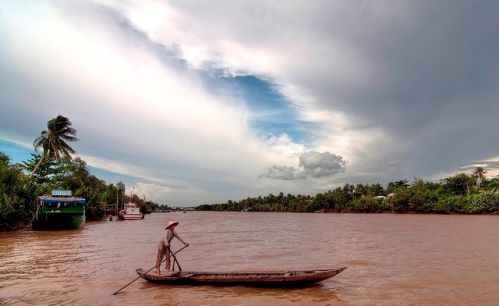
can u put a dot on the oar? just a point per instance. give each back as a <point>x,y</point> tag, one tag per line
<point>171,254</point>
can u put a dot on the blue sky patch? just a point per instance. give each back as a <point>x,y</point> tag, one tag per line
<point>16,153</point>
<point>271,112</point>
<point>19,154</point>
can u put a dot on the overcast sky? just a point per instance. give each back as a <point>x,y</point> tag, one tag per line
<point>203,101</point>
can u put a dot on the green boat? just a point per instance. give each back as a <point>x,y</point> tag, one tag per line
<point>59,211</point>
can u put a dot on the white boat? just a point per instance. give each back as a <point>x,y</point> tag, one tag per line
<point>131,212</point>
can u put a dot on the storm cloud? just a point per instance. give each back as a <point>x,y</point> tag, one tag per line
<point>397,89</point>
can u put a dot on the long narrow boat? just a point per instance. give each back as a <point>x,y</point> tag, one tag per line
<point>272,279</point>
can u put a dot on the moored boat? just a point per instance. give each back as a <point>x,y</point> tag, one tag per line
<point>272,279</point>
<point>131,212</point>
<point>59,211</point>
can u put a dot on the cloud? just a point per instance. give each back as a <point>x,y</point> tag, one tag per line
<point>283,173</point>
<point>150,191</point>
<point>411,78</point>
<point>399,90</point>
<point>284,144</point>
<point>317,164</point>
<point>314,164</point>
<point>136,108</point>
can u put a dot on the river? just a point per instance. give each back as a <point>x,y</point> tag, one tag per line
<point>391,259</point>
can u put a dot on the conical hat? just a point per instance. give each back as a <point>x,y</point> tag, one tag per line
<point>171,223</point>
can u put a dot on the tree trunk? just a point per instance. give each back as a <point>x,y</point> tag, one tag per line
<point>38,164</point>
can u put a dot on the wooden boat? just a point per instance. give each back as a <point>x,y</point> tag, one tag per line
<point>272,279</point>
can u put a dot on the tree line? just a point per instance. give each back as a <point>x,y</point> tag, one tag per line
<point>461,194</point>
<point>19,189</point>
<point>55,168</point>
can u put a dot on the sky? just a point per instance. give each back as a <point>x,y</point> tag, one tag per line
<point>198,102</point>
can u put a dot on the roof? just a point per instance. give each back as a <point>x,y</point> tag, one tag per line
<point>47,199</point>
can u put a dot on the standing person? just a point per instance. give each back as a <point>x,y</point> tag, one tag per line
<point>164,245</point>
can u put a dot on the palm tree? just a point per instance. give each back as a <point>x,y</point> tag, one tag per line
<point>479,175</point>
<point>54,140</point>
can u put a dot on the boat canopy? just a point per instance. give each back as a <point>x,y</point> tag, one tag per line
<point>46,199</point>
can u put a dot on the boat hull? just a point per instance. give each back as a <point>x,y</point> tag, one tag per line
<point>59,219</point>
<point>131,212</point>
<point>130,217</point>
<point>257,279</point>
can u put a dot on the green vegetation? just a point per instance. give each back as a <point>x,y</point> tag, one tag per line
<point>55,169</point>
<point>15,195</point>
<point>18,189</point>
<point>53,140</point>
<point>461,193</point>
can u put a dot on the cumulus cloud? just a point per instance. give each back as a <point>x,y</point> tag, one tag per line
<point>397,89</point>
<point>408,78</point>
<point>313,164</point>
<point>137,108</point>
<point>317,164</point>
<point>283,173</point>
<point>284,144</point>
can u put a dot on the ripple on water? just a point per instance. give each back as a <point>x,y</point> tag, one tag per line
<point>419,260</point>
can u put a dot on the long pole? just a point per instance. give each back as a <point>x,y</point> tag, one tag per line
<point>117,201</point>
<point>171,254</point>
<point>176,261</point>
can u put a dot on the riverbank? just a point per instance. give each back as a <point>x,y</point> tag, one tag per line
<point>19,189</point>
<point>343,200</point>
<point>459,194</point>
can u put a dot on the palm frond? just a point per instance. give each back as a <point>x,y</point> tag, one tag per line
<point>53,140</point>
<point>66,147</point>
<point>68,137</point>
<point>67,130</point>
<point>38,142</point>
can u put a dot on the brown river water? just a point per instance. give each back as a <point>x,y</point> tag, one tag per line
<point>391,259</point>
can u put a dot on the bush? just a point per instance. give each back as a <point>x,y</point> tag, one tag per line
<point>473,204</point>
<point>368,204</point>
<point>16,210</point>
<point>400,200</point>
<point>449,204</point>
<point>95,212</point>
<point>481,203</point>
